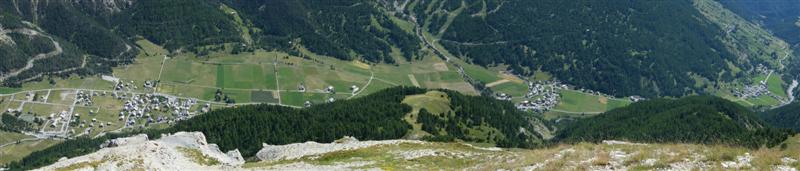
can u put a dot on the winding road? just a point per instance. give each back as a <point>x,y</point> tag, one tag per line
<point>58,50</point>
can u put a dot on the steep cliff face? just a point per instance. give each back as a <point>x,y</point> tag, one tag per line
<point>104,6</point>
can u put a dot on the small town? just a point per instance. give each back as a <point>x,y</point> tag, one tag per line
<point>542,96</point>
<point>136,110</point>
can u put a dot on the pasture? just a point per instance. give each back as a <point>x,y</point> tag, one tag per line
<point>575,101</point>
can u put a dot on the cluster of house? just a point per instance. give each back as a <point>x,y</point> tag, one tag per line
<point>756,90</point>
<point>85,98</point>
<point>92,124</point>
<point>752,90</point>
<point>63,117</point>
<point>121,85</point>
<point>542,96</point>
<point>761,69</point>
<point>141,106</point>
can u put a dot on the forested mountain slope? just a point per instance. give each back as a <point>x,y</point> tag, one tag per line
<point>27,50</point>
<point>88,46</point>
<point>103,31</point>
<point>695,119</point>
<point>378,116</point>
<point>345,29</point>
<point>651,48</point>
<point>784,117</point>
<point>782,17</point>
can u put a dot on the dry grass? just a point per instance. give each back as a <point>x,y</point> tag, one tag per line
<point>198,157</point>
<point>601,158</point>
<point>82,165</point>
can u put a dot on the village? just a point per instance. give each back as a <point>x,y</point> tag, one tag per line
<point>544,96</point>
<point>96,112</point>
<point>541,96</point>
<point>761,87</point>
<point>125,105</point>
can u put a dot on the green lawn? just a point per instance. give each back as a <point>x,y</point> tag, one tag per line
<point>263,97</point>
<point>764,101</point>
<point>290,78</point>
<point>375,86</point>
<point>298,99</point>
<point>481,74</point>
<point>8,90</point>
<point>435,102</point>
<point>8,137</point>
<point>61,97</point>
<point>18,151</point>
<point>243,77</point>
<point>574,101</point>
<point>185,71</point>
<point>775,85</point>
<point>550,115</point>
<point>239,96</point>
<point>512,88</point>
<point>146,66</point>
<point>44,109</point>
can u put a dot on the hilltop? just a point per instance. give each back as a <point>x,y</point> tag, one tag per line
<point>695,119</point>
<point>784,117</point>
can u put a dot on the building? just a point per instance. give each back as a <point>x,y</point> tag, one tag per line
<point>330,89</point>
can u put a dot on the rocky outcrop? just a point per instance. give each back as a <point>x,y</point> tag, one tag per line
<point>299,150</point>
<point>167,153</point>
<point>104,6</point>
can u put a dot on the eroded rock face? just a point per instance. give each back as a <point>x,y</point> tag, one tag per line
<point>5,39</point>
<point>179,151</point>
<point>138,139</point>
<point>299,150</point>
<point>104,6</point>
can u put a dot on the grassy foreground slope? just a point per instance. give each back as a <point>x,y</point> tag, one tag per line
<point>582,156</point>
<point>695,119</point>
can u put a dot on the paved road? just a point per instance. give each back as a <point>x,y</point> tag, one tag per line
<point>22,140</point>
